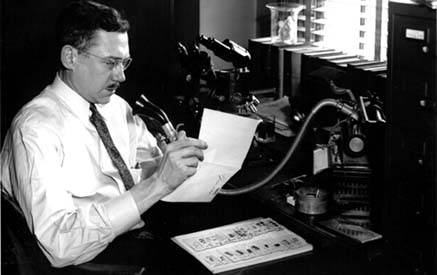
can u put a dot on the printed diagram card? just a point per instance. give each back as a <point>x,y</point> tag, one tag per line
<point>229,138</point>
<point>242,244</point>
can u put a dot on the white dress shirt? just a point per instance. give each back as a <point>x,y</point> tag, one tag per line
<point>55,165</point>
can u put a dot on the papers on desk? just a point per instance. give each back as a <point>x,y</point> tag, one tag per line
<point>229,138</point>
<point>242,244</point>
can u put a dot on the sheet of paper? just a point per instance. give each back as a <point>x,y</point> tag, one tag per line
<point>242,244</point>
<point>229,138</point>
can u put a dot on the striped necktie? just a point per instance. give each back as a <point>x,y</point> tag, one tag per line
<point>101,127</point>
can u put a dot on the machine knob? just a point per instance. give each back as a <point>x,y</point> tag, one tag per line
<point>425,49</point>
<point>422,103</point>
<point>356,144</point>
<point>420,161</point>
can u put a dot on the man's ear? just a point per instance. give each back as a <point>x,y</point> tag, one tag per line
<point>68,56</point>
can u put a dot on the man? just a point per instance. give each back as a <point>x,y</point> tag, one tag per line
<point>56,162</point>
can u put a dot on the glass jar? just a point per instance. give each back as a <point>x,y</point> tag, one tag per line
<point>283,24</point>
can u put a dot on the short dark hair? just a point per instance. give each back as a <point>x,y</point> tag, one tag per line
<point>79,20</point>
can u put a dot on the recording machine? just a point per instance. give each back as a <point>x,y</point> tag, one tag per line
<point>342,142</point>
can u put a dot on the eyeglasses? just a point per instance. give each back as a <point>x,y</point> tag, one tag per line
<point>112,63</point>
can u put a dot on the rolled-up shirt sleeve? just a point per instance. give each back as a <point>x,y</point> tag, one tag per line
<point>69,231</point>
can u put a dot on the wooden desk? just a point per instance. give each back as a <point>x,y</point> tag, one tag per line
<point>162,256</point>
<point>331,255</point>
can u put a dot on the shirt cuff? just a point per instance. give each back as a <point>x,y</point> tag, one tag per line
<point>123,213</point>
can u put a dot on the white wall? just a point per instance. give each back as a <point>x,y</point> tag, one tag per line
<point>227,19</point>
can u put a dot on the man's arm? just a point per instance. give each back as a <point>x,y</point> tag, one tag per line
<point>67,232</point>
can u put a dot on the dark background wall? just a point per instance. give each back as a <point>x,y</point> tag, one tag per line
<point>28,57</point>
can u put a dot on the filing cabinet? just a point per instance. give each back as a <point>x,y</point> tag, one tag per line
<point>409,222</point>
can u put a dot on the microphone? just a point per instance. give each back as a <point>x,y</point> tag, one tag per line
<point>158,114</point>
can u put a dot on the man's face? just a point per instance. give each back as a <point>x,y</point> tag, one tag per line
<point>93,78</point>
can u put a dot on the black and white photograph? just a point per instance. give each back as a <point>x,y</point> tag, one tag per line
<point>234,137</point>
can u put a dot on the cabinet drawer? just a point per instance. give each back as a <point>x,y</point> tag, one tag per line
<point>413,101</point>
<point>415,43</point>
<point>412,157</point>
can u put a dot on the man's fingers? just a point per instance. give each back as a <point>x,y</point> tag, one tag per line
<point>192,162</point>
<point>186,152</point>
<point>183,142</point>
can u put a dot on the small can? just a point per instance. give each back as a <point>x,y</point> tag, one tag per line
<point>311,200</point>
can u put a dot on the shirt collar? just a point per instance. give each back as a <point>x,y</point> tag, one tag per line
<point>76,103</point>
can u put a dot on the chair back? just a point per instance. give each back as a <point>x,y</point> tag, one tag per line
<point>20,251</point>
<point>21,254</point>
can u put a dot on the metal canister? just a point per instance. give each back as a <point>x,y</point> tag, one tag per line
<point>311,200</point>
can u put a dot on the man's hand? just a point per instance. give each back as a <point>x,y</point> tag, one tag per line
<point>180,160</point>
